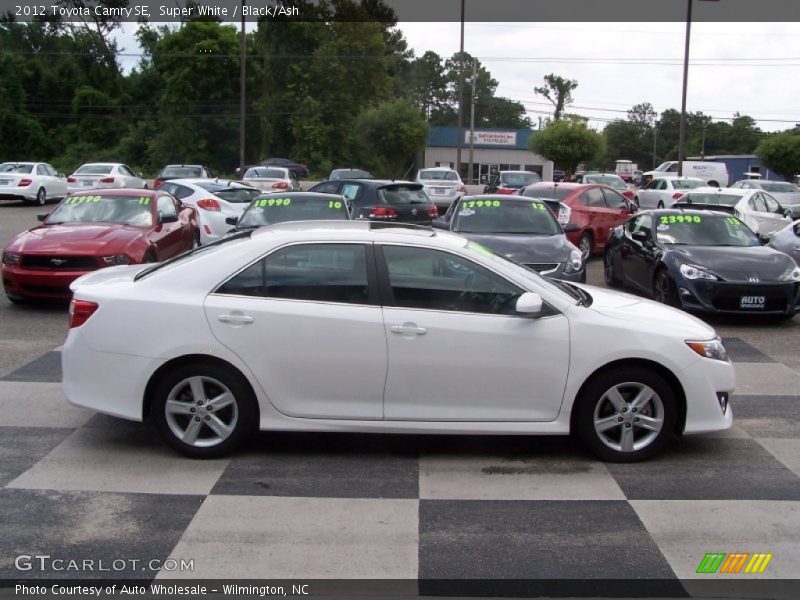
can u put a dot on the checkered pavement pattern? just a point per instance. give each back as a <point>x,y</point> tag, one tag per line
<point>77,485</point>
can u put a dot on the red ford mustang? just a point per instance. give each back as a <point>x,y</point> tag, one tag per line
<point>93,229</point>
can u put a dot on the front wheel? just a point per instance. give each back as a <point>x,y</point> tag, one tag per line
<point>609,271</point>
<point>664,289</point>
<point>626,415</point>
<point>204,410</point>
<point>585,246</point>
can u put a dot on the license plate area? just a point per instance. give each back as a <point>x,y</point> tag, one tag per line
<point>87,182</point>
<point>752,302</point>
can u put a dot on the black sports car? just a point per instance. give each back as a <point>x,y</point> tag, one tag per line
<point>701,261</point>
<point>520,228</point>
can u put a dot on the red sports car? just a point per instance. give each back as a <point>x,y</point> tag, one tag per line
<point>587,212</point>
<point>93,229</point>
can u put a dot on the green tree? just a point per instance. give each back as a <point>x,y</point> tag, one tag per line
<point>558,90</point>
<point>389,135</point>
<point>568,143</point>
<point>781,153</point>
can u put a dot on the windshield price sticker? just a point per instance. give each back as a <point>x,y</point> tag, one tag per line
<point>538,206</point>
<point>669,219</point>
<point>144,200</point>
<point>82,199</point>
<point>264,202</point>
<point>733,221</point>
<point>466,213</point>
<point>481,204</point>
<point>334,204</point>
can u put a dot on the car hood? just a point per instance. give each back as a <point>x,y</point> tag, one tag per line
<point>74,238</point>
<point>737,264</point>
<point>523,248</point>
<point>633,309</point>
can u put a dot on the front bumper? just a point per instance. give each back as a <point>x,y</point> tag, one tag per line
<point>39,283</point>
<point>703,382</point>
<point>722,297</point>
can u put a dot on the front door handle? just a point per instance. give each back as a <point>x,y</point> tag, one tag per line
<point>408,329</point>
<point>236,319</point>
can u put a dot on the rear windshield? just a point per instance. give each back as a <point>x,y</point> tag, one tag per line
<point>404,195</point>
<point>438,175</point>
<point>94,170</point>
<point>268,210</point>
<point>612,181</point>
<point>14,168</point>
<point>351,174</point>
<point>181,172</point>
<point>266,173</point>
<point>687,184</point>
<point>238,194</point>
<point>786,188</point>
<point>719,199</point>
<point>519,178</point>
<point>558,193</point>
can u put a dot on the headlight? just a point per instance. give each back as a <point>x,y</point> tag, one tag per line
<point>791,274</point>
<point>117,259</point>
<point>10,258</point>
<point>709,348</point>
<point>695,272</point>
<point>575,262</point>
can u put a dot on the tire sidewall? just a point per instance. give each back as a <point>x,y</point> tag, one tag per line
<point>247,421</point>
<point>583,422</point>
<point>41,197</point>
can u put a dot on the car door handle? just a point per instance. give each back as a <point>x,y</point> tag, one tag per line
<point>408,329</point>
<point>236,319</point>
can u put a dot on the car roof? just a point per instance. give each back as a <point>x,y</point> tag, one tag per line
<point>518,171</point>
<point>680,210</point>
<point>570,185</point>
<point>366,231</point>
<point>713,190</point>
<point>437,169</point>
<point>101,164</point>
<point>138,192</point>
<point>20,162</point>
<point>316,195</point>
<point>503,197</point>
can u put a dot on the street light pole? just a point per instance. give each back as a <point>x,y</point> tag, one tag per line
<point>472,120</point>
<point>682,129</point>
<point>655,141</point>
<point>460,141</point>
<point>242,92</point>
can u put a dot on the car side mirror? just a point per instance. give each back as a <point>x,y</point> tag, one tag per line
<point>167,218</point>
<point>231,220</point>
<point>529,304</point>
<point>764,239</point>
<point>42,216</point>
<point>440,223</point>
<point>640,236</point>
<point>570,227</point>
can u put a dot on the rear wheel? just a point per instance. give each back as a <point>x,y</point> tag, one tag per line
<point>660,204</point>
<point>585,245</point>
<point>150,257</point>
<point>204,410</point>
<point>41,197</point>
<point>196,239</point>
<point>609,272</point>
<point>626,414</point>
<point>664,289</point>
<point>713,183</point>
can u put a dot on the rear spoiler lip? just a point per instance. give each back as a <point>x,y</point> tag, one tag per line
<point>718,207</point>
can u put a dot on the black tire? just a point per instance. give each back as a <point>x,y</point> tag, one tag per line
<point>150,257</point>
<point>593,406</point>
<point>241,417</point>
<point>660,204</point>
<point>664,289</point>
<point>713,183</point>
<point>41,197</point>
<point>636,201</point>
<point>585,246</point>
<point>196,243</point>
<point>609,271</point>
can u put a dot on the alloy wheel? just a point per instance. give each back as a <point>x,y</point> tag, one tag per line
<point>629,417</point>
<point>201,411</point>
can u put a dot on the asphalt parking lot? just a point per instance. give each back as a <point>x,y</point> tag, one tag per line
<point>78,485</point>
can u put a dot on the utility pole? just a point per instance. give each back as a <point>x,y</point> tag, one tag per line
<point>682,129</point>
<point>460,140</point>
<point>703,143</point>
<point>655,141</point>
<point>472,120</point>
<point>242,92</point>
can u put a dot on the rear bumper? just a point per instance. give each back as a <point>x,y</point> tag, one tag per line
<point>20,194</point>
<point>39,283</point>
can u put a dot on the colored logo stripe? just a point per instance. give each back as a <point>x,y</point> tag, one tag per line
<point>720,562</point>
<point>735,562</point>
<point>758,563</point>
<point>711,562</point>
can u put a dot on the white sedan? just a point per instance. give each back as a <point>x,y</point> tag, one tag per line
<point>788,194</point>
<point>104,175</point>
<point>759,211</point>
<point>215,200</point>
<point>663,192</point>
<point>360,326</point>
<point>31,181</point>
<point>272,179</point>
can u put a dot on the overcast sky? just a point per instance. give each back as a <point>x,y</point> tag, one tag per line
<point>752,68</point>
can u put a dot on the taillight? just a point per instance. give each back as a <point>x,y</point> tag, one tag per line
<point>463,189</point>
<point>677,195</point>
<point>158,182</point>
<point>433,212</point>
<point>280,185</point>
<point>107,180</point>
<point>208,204</point>
<point>505,190</point>
<point>24,182</point>
<point>628,194</point>
<point>382,212</point>
<point>80,311</point>
<point>71,179</point>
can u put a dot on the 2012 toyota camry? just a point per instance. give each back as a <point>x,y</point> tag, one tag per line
<point>363,326</point>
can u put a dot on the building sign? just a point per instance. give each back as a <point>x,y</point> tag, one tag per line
<point>493,138</point>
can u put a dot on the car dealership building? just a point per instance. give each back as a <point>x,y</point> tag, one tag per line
<point>493,150</point>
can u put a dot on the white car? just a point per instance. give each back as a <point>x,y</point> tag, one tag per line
<point>442,185</point>
<point>271,179</point>
<point>31,181</point>
<point>104,175</point>
<point>663,192</point>
<point>788,194</point>
<point>759,211</point>
<point>214,200</point>
<point>378,327</point>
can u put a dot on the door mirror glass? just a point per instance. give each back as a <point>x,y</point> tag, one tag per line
<point>231,220</point>
<point>764,239</point>
<point>162,218</point>
<point>42,216</point>
<point>640,236</point>
<point>529,304</point>
<point>440,223</point>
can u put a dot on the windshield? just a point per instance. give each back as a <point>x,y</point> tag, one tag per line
<point>267,211</point>
<point>404,195</point>
<point>663,166</point>
<point>687,184</point>
<point>265,173</point>
<point>193,254</point>
<point>181,172</point>
<point>15,168</point>
<point>439,175</point>
<point>350,174</point>
<point>505,216</point>
<point>127,210</point>
<point>94,170</point>
<point>609,180</point>
<point>781,188</point>
<point>519,178</point>
<point>704,230</point>
<point>711,198</point>
<point>556,193</point>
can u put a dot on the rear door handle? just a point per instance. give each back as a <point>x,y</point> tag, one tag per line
<point>236,319</point>
<point>408,329</point>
